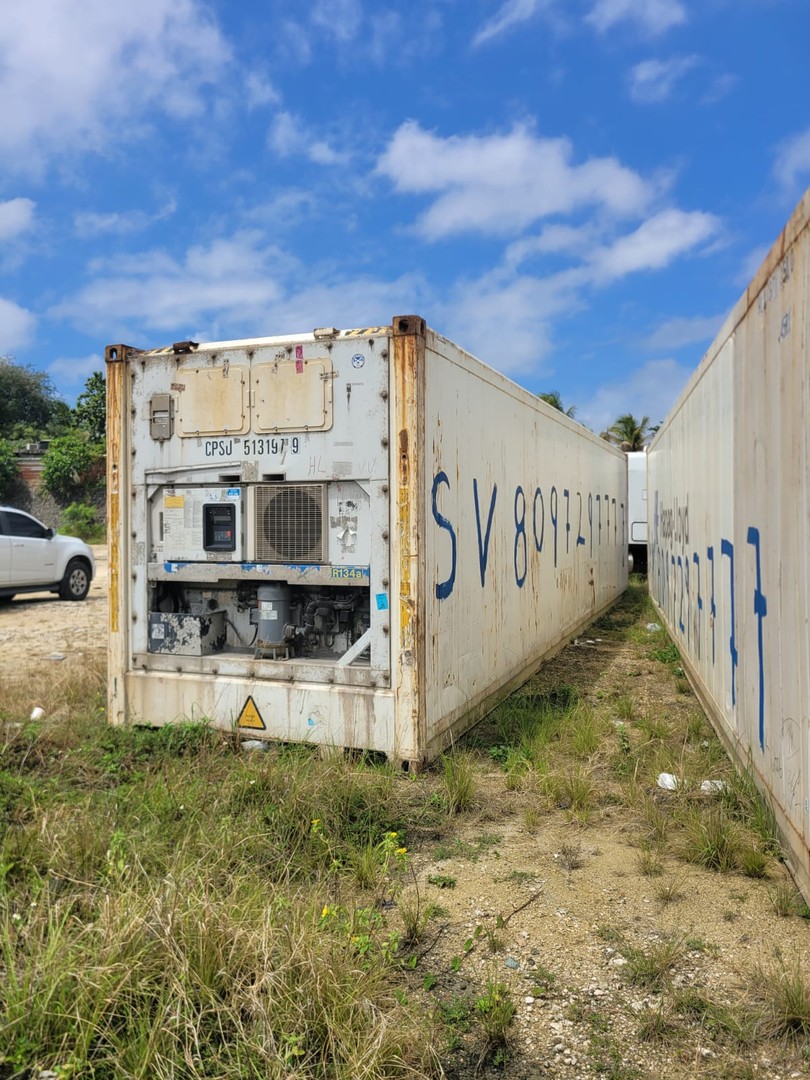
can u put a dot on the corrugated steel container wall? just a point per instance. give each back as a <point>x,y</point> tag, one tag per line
<point>470,531</point>
<point>526,539</point>
<point>729,528</point>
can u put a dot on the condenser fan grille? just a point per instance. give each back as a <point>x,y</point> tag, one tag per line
<point>290,523</point>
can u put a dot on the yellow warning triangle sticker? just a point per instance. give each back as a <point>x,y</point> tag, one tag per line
<point>250,717</point>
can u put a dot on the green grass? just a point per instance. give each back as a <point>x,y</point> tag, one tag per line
<point>458,778</point>
<point>463,849</point>
<point>666,654</point>
<point>170,906</point>
<point>651,967</point>
<point>717,1020</point>
<point>575,790</point>
<point>781,996</point>
<point>496,1010</point>
<point>785,899</point>
<point>650,863</point>
<point>712,840</point>
<point>442,881</point>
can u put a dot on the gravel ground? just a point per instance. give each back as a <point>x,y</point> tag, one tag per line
<point>37,629</point>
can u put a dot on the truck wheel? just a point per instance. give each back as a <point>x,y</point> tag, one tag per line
<point>76,582</point>
<point>7,598</point>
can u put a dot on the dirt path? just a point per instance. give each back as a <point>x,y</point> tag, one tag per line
<point>38,629</point>
<point>573,917</point>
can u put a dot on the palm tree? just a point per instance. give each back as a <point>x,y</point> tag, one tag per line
<point>552,398</point>
<point>628,433</point>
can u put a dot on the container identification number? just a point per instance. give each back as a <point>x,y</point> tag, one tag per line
<point>253,447</point>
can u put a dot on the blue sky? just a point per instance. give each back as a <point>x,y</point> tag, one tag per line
<point>577,191</point>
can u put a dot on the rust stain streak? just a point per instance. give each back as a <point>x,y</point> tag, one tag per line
<point>116,372</point>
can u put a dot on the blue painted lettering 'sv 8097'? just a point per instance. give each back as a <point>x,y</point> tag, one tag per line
<point>444,588</point>
<point>673,589</point>
<point>485,509</point>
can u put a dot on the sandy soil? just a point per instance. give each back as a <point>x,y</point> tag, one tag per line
<point>37,629</point>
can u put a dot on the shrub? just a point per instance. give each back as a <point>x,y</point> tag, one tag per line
<point>81,520</point>
<point>68,463</point>
<point>8,468</point>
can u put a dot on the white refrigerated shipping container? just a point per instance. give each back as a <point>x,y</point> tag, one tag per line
<point>729,539</point>
<point>637,508</point>
<point>359,538</point>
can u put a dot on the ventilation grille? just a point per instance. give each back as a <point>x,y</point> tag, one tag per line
<point>290,523</point>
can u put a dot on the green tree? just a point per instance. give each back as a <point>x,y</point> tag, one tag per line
<point>91,407</point>
<point>552,398</point>
<point>68,464</point>
<point>28,401</point>
<point>8,468</point>
<point>628,433</point>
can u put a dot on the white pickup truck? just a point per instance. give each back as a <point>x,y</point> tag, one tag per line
<point>34,558</point>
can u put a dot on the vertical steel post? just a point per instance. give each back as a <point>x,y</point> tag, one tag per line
<point>408,563</point>
<point>118,515</point>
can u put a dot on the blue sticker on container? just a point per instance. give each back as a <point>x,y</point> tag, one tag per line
<point>382,601</point>
<point>234,493</point>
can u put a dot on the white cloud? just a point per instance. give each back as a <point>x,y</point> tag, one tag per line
<point>652,16</point>
<point>356,301</point>
<point>508,15</point>
<point>507,321</point>
<point>72,69</point>
<point>719,88</point>
<point>654,244</point>
<point>289,136</point>
<point>678,332</point>
<point>386,30</point>
<point>652,81</point>
<point>231,278</point>
<point>89,223</point>
<point>73,371</point>
<point>392,40</point>
<point>339,19</point>
<point>792,164</point>
<point>16,326</point>
<point>16,217</point>
<point>284,136</point>
<point>572,240</point>
<point>478,310</point>
<point>500,184</point>
<point>260,91</point>
<point>651,390</point>
<point>293,42</point>
<point>321,153</point>
<point>286,209</point>
<point>234,286</point>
